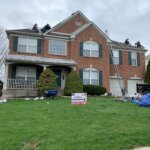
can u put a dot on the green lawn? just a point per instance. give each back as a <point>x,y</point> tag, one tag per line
<point>102,124</point>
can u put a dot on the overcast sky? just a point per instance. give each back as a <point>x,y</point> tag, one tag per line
<point>123,19</point>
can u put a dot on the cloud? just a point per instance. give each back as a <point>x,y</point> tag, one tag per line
<point>123,19</point>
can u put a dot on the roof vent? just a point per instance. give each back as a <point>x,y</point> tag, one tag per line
<point>45,28</point>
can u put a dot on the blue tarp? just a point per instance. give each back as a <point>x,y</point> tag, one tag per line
<point>143,101</point>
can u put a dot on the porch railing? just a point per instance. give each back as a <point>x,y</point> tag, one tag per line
<point>21,84</point>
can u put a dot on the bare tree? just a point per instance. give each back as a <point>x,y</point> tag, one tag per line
<point>4,47</point>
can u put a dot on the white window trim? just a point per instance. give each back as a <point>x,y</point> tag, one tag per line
<point>115,57</point>
<point>91,49</point>
<point>26,73</point>
<point>49,47</point>
<point>91,69</point>
<point>27,44</point>
<point>134,59</point>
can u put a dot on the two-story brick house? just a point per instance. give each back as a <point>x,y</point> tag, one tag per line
<point>75,43</point>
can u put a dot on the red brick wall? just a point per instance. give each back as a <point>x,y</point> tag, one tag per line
<point>73,52</point>
<point>84,62</point>
<point>71,26</point>
<point>126,71</point>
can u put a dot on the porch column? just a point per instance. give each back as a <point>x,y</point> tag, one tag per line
<point>5,76</point>
<point>44,67</point>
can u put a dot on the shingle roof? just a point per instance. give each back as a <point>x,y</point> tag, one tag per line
<point>23,31</point>
<point>120,45</point>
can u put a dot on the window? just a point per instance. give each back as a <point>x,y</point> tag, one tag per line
<point>133,58</point>
<point>26,73</point>
<point>27,45</point>
<point>115,57</point>
<point>90,49</point>
<point>57,47</point>
<point>91,76</point>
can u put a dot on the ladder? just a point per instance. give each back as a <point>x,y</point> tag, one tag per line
<point>121,85</point>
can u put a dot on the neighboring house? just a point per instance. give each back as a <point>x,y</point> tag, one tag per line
<point>75,43</point>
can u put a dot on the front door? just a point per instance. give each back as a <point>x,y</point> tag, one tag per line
<point>58,76</point>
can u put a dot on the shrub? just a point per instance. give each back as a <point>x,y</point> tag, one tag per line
<point>47,81</point>
<point>73,84</point>
<point>147,74</point>
<point>94,89</point>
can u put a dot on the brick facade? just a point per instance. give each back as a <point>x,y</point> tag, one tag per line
<point>91,33</point>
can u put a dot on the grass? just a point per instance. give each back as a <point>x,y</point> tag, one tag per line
<point>102,124</point>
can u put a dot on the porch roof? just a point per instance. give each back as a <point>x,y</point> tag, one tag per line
<point>40,60</point>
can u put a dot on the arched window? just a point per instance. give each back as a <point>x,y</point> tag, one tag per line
<point>90,76</point>
<point>90,49</point>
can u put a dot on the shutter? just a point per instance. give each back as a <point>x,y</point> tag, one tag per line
<point>13,72</point>
<point>129,58</point>
<point>138,59</point>
<point>39,46</point>
<point>111,57</point>
<point>38,72</point>
<point>81,48</point>
<point>81,74</point>
<point>120,57</point>
<point>100,78</point>
<point>15,44</point>
<point>100,50</point>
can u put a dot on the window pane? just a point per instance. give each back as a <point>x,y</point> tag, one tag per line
<point>94,53</point>
<point>86,77</point>
<point>90,76</point>
<point>134,58</point>
<point>26,73</point>
<point>94,82</point>
<point>115,57</point>
<point>22,45</point>
<point>32,46</point>
<point>22,48</point>
<point>94,75</point>
<point>32,49</point>
<point>22,41</point>
<point>134,55</point>
<point>86,52</point>
<point>27,45</point>
<point>115,60</point>
<point>90,48</point>
<point>115,53</point>
<point>32,42</point>
<point>134,62</point>
<point>57,47</point>
<point>31,72</point>
<point>86,81</point>
<point>21,71</point>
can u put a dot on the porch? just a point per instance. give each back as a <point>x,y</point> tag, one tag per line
<point>22,76</point>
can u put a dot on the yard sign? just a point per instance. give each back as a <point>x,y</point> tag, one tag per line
<point>78,98</point>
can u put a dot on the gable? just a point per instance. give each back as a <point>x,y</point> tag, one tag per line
<point>71,24</point>
<point>90,28</point>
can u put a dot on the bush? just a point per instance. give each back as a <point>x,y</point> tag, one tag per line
<point>73,84</point>
<point>94,89</point>
<point>47,81</point>
<point>147,74</point>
